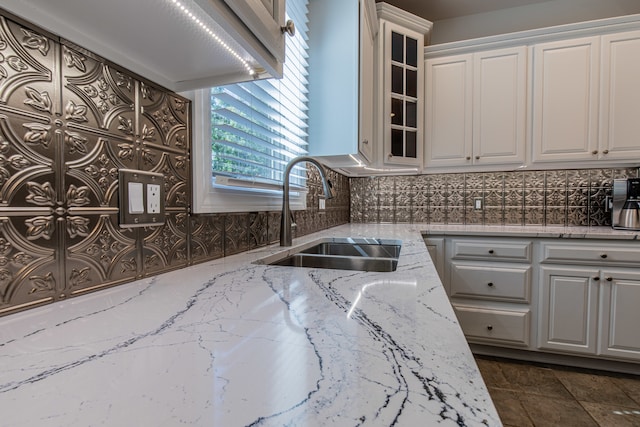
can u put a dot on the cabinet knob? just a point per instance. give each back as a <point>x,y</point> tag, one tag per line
<point>605,152</point>
<point>603,256</point>
<point>490,284</point>
<point>289,28</point>
<point>490,328</point>
<point>594,152</point>
<point>491,251</point>
<point>468,157</point>
<point>596,278</point>
<point>390,155</point>
<point>477,157</point>
<point>609,279</point>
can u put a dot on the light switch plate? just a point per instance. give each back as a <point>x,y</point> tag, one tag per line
<point>141,198</point>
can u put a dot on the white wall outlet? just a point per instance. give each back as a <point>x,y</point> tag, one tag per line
<point>477,203</point>
<point>153,198</point>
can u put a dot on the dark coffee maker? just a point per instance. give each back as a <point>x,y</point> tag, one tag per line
<point>626,204</point>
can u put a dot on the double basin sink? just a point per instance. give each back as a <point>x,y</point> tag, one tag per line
<point>342,253</point>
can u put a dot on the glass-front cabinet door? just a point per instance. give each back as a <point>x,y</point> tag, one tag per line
<point>404,96</point>
<point>402,69</point>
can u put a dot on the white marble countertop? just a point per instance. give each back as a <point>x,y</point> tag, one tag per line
<point>232,343</point>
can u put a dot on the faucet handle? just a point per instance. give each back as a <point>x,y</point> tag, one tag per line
<point>293,220</point>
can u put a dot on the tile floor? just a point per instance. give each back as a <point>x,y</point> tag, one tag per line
<point>538,395</point>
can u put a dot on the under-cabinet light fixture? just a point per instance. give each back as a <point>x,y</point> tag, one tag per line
<point>194,17</point>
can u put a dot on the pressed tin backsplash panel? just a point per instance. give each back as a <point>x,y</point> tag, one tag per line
<point>68,121</point>
<point>552,197</point>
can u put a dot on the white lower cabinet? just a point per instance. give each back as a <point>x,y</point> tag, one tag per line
<point>489,283</point>
<point>568,309</point>
<point>619,314</point>
<point>560,296</point>
<point>590,311</point>
<point>491,325</point>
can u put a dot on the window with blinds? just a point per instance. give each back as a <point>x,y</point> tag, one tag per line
<point>258,127</point>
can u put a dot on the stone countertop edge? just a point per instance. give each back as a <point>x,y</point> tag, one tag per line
<point>234,343</point>
<point>532,231</point>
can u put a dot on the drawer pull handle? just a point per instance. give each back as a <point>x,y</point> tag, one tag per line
<point>491,251</point>
<point>490,284</point>
<point>609,279</point>
<point>603,256</point>
<point>596,278</point>
<point>490,328</point>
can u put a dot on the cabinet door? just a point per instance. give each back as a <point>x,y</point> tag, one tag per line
<point>448,99</point>
<point>565,100</point>
<point>620,101</point>
<point>620,315</point>
<point>265,19</point>
<point>367,82</point>
<point>435,247</point>
<point>402,95</point>
<point>568,309</point>
<point>499,106</point>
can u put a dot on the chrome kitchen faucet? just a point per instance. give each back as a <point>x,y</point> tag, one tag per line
<point>286,221</point>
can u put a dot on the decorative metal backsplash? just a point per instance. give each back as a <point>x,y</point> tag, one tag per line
<point>68,121</point>
<point>552,197</point>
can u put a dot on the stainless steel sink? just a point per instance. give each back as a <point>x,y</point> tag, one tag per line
<point>346,253</point>
<point>355,249</point>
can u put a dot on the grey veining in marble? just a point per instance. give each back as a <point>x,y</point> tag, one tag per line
<point>232,343</point>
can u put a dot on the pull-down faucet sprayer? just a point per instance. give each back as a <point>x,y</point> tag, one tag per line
<point>286,221</point>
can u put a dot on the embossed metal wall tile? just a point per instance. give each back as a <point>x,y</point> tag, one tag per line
<point>236,233</point>
<point>273,227</point>
<point>553,197</point>
<point>207,237</point>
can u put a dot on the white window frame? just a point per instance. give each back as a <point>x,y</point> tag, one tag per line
<point>210,198</point>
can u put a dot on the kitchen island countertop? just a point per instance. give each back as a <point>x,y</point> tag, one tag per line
<point>233,343</point>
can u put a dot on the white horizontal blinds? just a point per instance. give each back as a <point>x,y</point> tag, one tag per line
<point>258,126</point>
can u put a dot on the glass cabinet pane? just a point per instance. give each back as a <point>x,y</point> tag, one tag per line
<point>412,52</point>
<point>397,116</point>
<point>397,83</point>
<point>412,145</point>
<point>412,83</point>
<point>397,47</point>
<point>411,118</point>
<point>397,148</point>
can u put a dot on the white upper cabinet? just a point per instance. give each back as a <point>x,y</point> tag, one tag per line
<point>565,96</point>
<point>449,110</point>
<point>266,19</point>
<point>401,86</point>
<point>500,106</point>
<point>565,100</point>
<point>620,100</point>
<point>181,45</point>
<point>476,108</point>
<point>368,33</point>
<point>341,80</point>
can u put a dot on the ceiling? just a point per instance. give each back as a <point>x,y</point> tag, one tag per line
<point>436,10</point>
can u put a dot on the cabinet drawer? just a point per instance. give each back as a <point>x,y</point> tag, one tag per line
<point>481,324</point>
<point>491,249</point>
<point>599,254</point>
<point>488,282</point>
